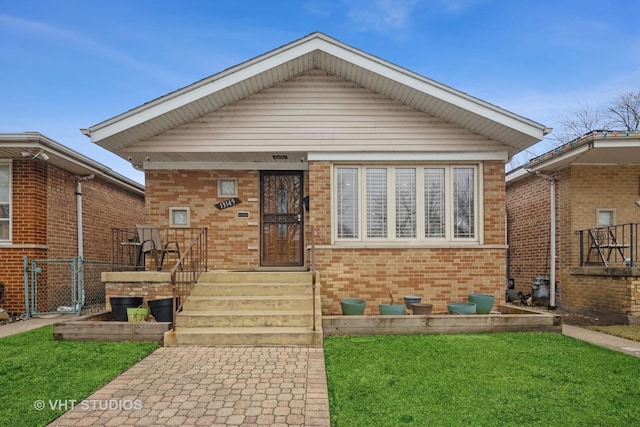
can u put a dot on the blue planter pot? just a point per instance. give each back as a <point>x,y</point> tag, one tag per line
<point>352,306</point>
<point>391,309</point>
<point>412,299</point>
<point>461,308</point>
<point>483,302</point>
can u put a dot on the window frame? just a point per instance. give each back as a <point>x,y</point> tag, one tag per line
<point>235,186</point>
<point>174,209</point>
<point>608,210</point>
<point>420,215</point>
<point>9,220</point>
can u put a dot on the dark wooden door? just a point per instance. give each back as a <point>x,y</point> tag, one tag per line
<point>282,219</point>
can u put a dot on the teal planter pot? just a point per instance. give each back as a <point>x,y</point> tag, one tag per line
<point>352,306</point>
<point>483,302</point>
<point>391,309</point>
<point>461,308</point>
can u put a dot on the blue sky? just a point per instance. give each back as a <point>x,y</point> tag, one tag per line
<point>70,64</point>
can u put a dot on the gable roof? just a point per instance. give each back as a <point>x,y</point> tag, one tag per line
<point>23,145</point>
<point>316,51</point>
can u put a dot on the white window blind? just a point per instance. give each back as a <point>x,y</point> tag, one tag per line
<point>434,203</point>
<point>376,207</point>
<point>347,203</point>
<point>405,203</point>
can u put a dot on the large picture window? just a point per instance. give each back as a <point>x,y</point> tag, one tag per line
<point>5,202</point>
<point>406,203</point>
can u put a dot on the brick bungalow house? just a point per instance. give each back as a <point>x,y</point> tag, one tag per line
<point>400,177</point>
<point>52,198</point>
<point>594,184</point>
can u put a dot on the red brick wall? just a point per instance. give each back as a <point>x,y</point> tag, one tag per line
<point>44,221</point>
<point>528,231</point>
<point>580,191</point>
<point>233,241</point>
<point>439,275</point>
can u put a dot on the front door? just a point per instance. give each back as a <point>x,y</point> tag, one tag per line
<point>281,219</point>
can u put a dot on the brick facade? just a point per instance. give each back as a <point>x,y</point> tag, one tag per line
<point>45,221</point>
<point>580,191</point>
<point>439,274</point>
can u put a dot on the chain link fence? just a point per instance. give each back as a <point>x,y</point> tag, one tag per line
<point>64,286</point>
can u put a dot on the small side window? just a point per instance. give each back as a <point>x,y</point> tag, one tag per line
<point>179,217</point>
<point>605,217</point>
<point>227,187</point>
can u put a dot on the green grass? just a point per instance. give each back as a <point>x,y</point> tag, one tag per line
<point>505,379</point>
<point>33,366</point>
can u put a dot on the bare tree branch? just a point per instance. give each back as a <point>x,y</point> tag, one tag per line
<point>625,111</point>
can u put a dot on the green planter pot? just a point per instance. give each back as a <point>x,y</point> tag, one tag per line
<point>461,308</point>
<point>483,302</point>
<point>352,306</point>
<point>391,309</point>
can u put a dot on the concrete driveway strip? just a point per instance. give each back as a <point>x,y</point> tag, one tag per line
<point>212,386</point>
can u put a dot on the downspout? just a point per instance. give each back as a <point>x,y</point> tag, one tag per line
<point>79,211</point>
<point>79,227</point>
<point>552,237</point>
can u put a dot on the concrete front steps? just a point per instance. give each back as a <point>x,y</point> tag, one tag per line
<point>249,308</point>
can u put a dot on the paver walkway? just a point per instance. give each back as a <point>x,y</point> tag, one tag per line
<point>212,386</point>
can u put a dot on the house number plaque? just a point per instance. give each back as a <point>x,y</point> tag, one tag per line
<point>228,203</point>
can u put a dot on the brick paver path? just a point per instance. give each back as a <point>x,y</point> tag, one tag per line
<point>212,386</point>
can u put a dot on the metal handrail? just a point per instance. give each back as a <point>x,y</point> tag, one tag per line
<point>615,244</point>
<point>195,257</point>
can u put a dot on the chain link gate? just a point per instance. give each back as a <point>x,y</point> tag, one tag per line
<point>58,286</point>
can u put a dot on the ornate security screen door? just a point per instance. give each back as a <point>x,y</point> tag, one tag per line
<point>281,219</point>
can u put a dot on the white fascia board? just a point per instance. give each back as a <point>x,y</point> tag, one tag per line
<point>397,157</point>
<point>437,90</point>
<point>225,166</point>
<point>616,143</point>
<point>316,42</point>
<point>568,157</point>
<point>192,93</point>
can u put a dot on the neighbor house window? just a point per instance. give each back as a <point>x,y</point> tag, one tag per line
<point>179,217</point>
<point>5,202</point>
<point>605,217</point>
<point>406,203</point>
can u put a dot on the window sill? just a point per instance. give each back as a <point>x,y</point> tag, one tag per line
<point>408,245</point>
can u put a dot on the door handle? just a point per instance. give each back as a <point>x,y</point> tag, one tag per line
<point>299,218</point>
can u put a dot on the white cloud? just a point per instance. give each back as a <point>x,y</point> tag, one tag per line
<point>382,16</point>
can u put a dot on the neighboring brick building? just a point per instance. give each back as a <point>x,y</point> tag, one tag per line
<point>41,184</point>
<point>400,177</point>
<point>596,182</point>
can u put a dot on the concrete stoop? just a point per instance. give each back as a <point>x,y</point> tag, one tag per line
<point>249,308</point>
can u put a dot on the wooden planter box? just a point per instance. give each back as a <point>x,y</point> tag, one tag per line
<point>510,319</point>
<point>100,327</point>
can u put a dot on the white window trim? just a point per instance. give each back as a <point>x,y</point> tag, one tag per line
<point>180,208</point>
<point>10,240</point>
<point>235,184</point>
<point>391,240</point>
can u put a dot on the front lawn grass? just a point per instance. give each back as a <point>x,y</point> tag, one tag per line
<point>505,379</point>
<point>35,367</point>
